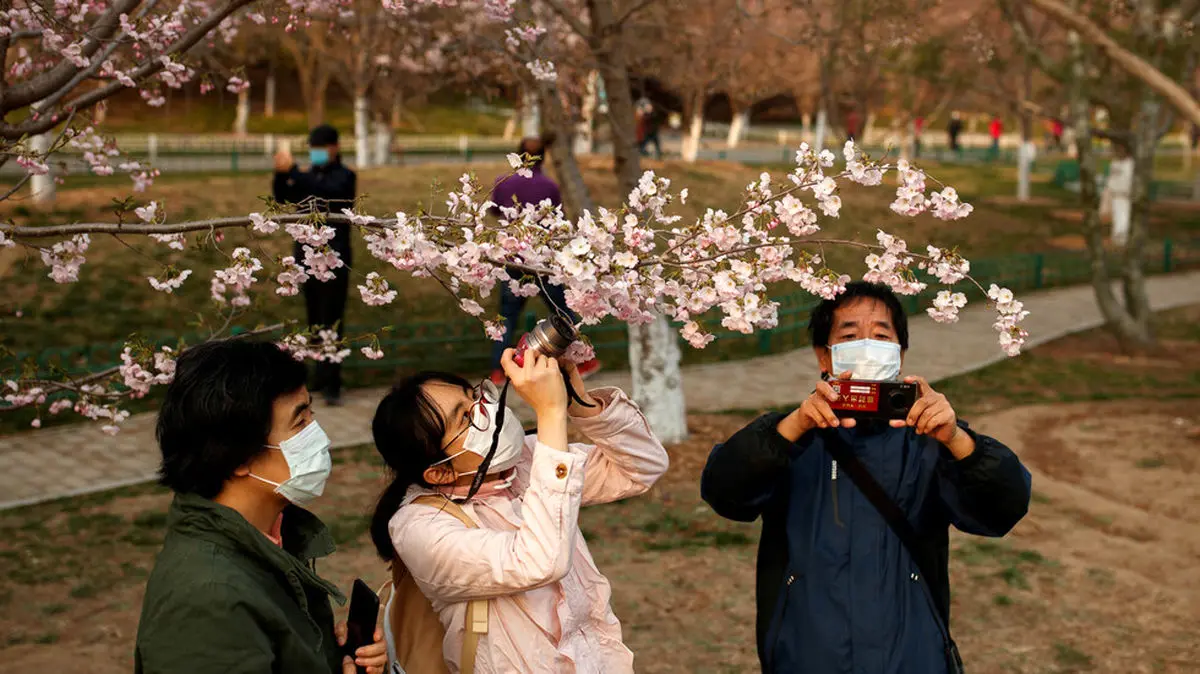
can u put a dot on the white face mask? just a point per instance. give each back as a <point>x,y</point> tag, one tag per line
<point>868,359</point>
<point>309,462</point>
<point>512,435</point>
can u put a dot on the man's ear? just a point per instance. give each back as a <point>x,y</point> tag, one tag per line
<point>824,359</point>
<point>440,475</point>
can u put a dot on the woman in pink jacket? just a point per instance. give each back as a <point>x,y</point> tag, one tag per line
<point>548,605</point>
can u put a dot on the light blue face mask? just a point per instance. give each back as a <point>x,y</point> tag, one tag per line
<point>868,359</point>
<point>319,156</point>
<point>308,461</point>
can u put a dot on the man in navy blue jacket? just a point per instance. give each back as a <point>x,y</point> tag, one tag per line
<point>837,591</point>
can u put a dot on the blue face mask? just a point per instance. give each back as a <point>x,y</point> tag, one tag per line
<point>868,359</point>
<point>319,156</point>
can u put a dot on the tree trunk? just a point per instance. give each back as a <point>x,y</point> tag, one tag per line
<point>531,118</point>
<point>312,73</point>
<point>242,117</point>
<point>362,131</point>
<point>316,102</point>
<point>821,130</point>
<point>691,142</point>
<point>269,93</point>
<point>1136,300</point>
<point>1025,156</point>
<point>738,126</point>
<point>653,351</point>
<point>658,387</point>
<point>576,198</point>
<point>1026,151</point>
<point>908,134</point>
<point>41,187</point>
<point>383,142</point>
<point>868,129</point>
<point>1129,333</point>
<point>585,131</point>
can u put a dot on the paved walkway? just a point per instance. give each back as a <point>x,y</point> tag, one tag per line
<point>43,465</point>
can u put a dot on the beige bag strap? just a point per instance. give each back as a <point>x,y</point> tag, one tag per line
<point>477,610</point>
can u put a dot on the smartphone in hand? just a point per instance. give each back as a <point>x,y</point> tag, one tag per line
<point>360,626</point>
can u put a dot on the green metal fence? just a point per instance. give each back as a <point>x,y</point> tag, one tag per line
<point>459,344</point>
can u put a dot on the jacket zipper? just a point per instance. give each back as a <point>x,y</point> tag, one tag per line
<point>833,473</point>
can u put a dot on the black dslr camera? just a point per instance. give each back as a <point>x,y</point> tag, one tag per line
<point>872,399</point>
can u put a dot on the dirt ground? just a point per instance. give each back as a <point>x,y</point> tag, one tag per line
<point>1101,576</point>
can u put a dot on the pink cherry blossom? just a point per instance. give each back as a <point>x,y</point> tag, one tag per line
<point>375,291</point>
<point>169,283</point>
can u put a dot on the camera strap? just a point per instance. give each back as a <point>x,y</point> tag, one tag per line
<point>573,395</point>
<point>481,472</point>
<point>898,522</point>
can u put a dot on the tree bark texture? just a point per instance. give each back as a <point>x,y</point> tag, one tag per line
<point>653,352</point>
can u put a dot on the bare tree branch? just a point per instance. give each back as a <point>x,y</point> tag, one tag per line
<point>628,14</point>
<point>571,18</point>
<point>1131,63</point>
<point>45,232</point>
<point>1028,45</point>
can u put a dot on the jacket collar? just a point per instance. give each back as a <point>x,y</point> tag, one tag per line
<point>305,538</point>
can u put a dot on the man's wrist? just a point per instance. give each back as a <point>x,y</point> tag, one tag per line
<point>792,426</point>
<point>961,444</point>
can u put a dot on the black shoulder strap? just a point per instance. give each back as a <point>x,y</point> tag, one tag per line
<point>898,522</point>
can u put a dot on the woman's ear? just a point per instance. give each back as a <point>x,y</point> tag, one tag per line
<point>440,475</point>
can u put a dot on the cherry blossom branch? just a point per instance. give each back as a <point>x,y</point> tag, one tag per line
<point>95,64</point>
<point>38,88</point>
<point>54,231</point>
<point>29,174</point>
<point>150,67</point>
<point>33,392</point>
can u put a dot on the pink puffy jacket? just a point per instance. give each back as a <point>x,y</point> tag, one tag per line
<point>549,604</point>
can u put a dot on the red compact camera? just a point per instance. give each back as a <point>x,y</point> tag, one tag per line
<point>872,399</point>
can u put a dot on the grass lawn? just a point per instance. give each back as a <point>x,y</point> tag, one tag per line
<point>1086,583</point>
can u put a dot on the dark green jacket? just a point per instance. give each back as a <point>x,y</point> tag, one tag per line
<point>224,599</point>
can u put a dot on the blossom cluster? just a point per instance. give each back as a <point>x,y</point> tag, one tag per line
<point>139,377</point>
<point>631,263</point>
<point>1010,312</point>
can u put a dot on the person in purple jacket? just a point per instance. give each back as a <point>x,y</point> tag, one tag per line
<point>516,191</point>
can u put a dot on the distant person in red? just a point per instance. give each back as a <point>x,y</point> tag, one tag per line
<point>1056,130</point>
<point>995,130</point>
<point>852,121</point>
<point>918,127</point>
<point>517,191</point>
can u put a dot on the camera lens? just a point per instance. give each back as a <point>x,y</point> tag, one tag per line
<point>897,400</point>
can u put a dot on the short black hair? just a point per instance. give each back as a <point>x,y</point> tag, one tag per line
<point>820,322</point>
<point>536,146</point>
<point>217,412</point>
<point>323,135</point>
